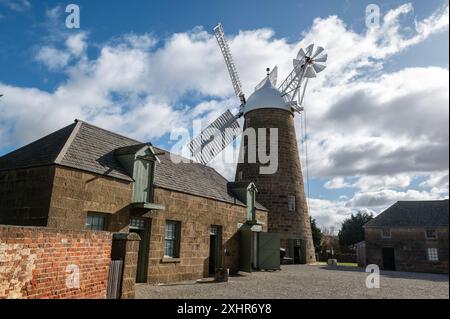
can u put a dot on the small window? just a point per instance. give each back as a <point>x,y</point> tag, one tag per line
<point>239,176</point>
<point>386,233</point>
<point>431,234</point>
<point>95,221</point>
<point>137,223</point>
<point>172,239</point>
<point>432,254</point>
<point>291,203</point>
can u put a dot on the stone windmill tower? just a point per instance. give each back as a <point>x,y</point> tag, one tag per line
<point>270,111</point>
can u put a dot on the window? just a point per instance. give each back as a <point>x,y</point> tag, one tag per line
<point>432,254</point>
<point>95,221</point>
<point>137,223</point>
<point>291,203</point>
<point>172,239</point>
<point>431,234</point>
<point>386,233</point>
<point>239,176</point>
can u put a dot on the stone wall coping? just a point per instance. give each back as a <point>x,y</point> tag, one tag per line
<point>126,236</point>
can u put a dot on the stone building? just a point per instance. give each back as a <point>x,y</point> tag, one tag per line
<point>85,177</point>
<point>410,236</point>
<point>282,191</point>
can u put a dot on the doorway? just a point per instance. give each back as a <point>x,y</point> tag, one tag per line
<point>215,242</point>
<point>141,226</point>
<point>388,258</point>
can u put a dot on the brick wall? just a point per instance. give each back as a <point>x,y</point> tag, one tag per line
<point>410,249</point>
<point>77,192</point>
<point>196,215</point>
<point>274,189</point>
<point>25,196</point>
<point>34,262</point>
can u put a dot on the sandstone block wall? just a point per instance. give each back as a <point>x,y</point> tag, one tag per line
<point>38,262</point>
<point>75,193</point>
<point>196,215</point>
<point>410,249</point>
<point>274,189</point>
<point>25,196</point>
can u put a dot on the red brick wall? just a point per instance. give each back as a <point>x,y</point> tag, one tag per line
<point>34,261</point>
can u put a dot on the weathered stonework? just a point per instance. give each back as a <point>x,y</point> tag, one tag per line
<point>410,249</point>
<point>75,193</point>
<point>274,189</point>
<point>25,196</point>
<point>197,215</point>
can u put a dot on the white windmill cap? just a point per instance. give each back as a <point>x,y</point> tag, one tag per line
<point>267,96</point>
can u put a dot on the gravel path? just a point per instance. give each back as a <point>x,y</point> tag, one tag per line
<point>306,281</point>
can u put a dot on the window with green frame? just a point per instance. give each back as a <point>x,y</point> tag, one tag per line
<point>96,221</point>
<point>172,239</point>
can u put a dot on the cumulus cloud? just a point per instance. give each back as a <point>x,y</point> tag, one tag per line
<point>336,183</point>
<point>387,197</point>
<point>378,129</point>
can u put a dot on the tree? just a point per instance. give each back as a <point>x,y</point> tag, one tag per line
<point>352,230</point>
<point>316,235</point>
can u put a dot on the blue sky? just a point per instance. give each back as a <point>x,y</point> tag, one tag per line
<point>157,62</point>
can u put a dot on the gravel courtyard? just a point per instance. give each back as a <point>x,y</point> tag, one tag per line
<point>306,281</point>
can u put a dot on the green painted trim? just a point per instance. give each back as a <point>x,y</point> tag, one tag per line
<point>149,206</point>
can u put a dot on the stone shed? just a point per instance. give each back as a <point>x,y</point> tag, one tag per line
<point>85,177</point>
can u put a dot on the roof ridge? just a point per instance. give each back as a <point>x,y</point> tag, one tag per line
<point>68,142</point>
<point>34,142</point>
<point>108,131</point>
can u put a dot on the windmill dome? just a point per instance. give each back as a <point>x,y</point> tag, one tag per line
<point>267,96</point>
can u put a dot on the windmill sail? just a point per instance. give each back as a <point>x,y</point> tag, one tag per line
<point>215,138</point>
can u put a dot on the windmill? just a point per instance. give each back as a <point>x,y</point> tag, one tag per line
<point>269,107</point>
<point>225,129</point>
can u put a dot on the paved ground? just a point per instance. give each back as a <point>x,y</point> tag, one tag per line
<point>306,281</point>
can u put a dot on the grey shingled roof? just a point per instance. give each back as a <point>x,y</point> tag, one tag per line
<point>413,214</point>
<point>87,147</point>
<point>44,151</point>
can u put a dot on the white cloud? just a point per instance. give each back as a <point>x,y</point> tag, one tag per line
<point>336,183</point>
<point>53,58</point>
<point>380,128</point>
<point>76,44</point>
<point>387,197</point>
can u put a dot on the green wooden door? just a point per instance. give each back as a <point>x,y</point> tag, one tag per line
<point>268,251</point>
<point>245,250</point>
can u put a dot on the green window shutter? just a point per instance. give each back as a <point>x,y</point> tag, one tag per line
<point>143,180</point>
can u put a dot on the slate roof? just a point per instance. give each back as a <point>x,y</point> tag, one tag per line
<point>413,214</point>
<point>90,148</point>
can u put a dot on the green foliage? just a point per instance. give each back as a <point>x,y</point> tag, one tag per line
<point>316,235</point>
<point>352,230</point>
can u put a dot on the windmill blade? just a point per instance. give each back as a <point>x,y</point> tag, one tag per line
<point>318,67</point>
<point>273,76</point>
<point>215,138</point>
<point>309,72</point>
<point>226,52</point>
<point>309,49</point>
<point>319,50</point>
<point>323,58</point>
<point>301,54</point>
